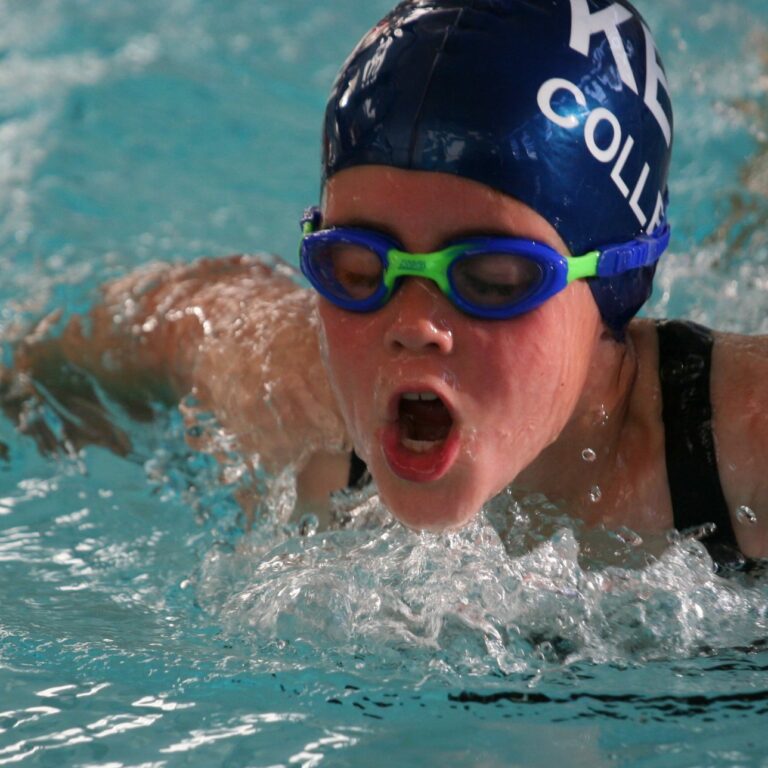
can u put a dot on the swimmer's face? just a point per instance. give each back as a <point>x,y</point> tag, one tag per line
<point>446,409</point>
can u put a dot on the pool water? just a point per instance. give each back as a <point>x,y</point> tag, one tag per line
<point>141,626</point>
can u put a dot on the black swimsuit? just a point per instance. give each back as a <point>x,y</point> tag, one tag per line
<point>685,361</point>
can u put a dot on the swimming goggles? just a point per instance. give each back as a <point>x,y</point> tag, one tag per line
<point>486,277</point>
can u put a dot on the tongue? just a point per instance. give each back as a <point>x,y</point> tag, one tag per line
<point>425,420</point>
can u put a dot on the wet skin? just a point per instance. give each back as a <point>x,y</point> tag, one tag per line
<point>527,396</point>
<point>512,386</point>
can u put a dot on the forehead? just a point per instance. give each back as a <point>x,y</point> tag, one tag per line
<point>424,209</point>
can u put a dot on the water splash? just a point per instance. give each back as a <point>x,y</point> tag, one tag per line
<point>746,515</point>
<point>466,602</point>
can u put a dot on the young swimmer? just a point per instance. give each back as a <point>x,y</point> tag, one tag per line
<point>493,209</point>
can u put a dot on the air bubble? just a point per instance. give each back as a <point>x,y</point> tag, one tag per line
<point>746,515</point>
<point>595,494</point>
<point>588,455</point>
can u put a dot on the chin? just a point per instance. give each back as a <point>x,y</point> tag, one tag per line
<point>429,509</point>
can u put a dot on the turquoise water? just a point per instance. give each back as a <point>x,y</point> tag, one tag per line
<point>141,627</point>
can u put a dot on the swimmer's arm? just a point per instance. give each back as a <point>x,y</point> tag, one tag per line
<point>105,353</point>
<point>110,347</point>
<point>140,341</point>
<point>740,421</point>
<point>236,333</point>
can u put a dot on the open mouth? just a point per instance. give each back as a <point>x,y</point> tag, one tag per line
<point>424,421</point>
<point>420,444</point>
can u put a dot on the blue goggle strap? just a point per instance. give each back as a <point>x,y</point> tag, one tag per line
<point>643,251</point>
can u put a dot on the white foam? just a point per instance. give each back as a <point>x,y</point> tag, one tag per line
<point>465,602</point>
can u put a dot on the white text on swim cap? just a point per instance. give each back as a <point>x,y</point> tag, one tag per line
<point>585,24</point>
<point>618,148</point>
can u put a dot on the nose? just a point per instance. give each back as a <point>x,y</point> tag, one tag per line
<point>419,318</point>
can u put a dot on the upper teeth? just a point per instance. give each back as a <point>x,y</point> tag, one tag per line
<point>419,396</point>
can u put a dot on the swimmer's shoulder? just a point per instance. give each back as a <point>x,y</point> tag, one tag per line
<point>739,399</point>
<point>739,379</point>
<point>739,389</point>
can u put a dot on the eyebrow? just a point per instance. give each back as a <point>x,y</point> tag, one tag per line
<point>464,234</point>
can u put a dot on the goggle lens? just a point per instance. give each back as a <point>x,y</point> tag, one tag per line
<point>348,271</point>
<point>494,280</point>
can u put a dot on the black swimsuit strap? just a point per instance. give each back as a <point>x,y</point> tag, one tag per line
<point>685,361</point>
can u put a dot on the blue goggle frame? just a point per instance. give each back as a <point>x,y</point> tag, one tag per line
<point>555,271</point>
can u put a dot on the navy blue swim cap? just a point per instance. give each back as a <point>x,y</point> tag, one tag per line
<point>562,104</point>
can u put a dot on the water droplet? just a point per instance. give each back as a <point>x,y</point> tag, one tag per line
<point>628,536</point>
<point>602,416</point>
<point>588,455</point>
<point>595,494</point>
<point>308,525</point>
<point>674,537</point>
<point>190,401</point>
<point>700,531</point>
<point>746,515</point>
